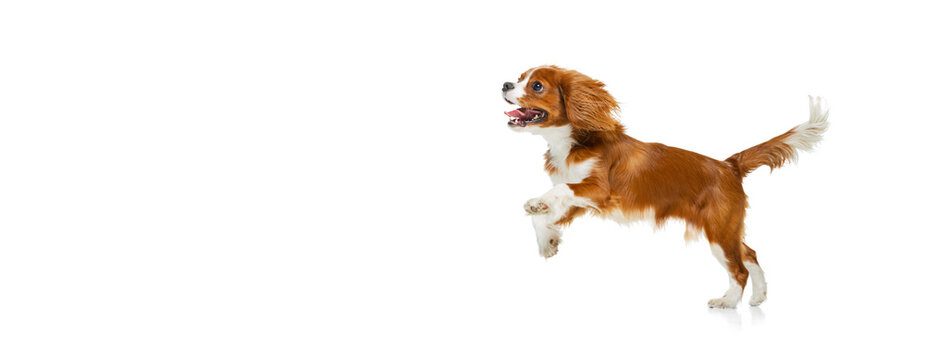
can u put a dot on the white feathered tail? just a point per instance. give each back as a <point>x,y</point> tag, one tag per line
<point>783,148</point>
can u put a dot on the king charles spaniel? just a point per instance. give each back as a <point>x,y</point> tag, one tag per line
<point>596,168</point>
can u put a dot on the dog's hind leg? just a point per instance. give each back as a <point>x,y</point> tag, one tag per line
<point>729,255</point>
<point>724,226</point>
<point>759,285</point>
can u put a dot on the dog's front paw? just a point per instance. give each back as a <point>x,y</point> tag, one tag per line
<point>536,207</point>
<point>550,249</point>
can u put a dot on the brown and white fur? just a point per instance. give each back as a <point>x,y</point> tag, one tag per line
<point>596,168</point>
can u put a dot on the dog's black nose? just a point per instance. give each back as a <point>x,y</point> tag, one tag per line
<point>507,86</point>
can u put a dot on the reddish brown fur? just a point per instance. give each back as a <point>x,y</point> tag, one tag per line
<point>773,153</point>
<point>632,176</point>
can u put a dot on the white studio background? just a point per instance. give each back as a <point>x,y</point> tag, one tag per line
<point>282,180</point>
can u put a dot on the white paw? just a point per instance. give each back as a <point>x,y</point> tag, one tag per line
<point>758,298</point>
<point>550,249</point>
<point>722,303</point>
<point>536,207</point>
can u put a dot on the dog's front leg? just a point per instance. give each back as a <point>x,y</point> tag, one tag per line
<point>550,211</point>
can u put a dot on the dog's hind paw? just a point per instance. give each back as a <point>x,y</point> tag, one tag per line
<point>758,298</point>
<point>722,303</point>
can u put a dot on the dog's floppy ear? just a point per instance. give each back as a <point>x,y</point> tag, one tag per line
<point>587,105</point>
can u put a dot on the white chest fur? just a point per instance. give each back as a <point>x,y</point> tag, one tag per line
<point>560,144</point>
<point>572,174</point>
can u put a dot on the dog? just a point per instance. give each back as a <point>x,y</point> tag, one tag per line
<point>597,168</point>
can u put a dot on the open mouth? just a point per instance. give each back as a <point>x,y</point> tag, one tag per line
<point>525,116</point>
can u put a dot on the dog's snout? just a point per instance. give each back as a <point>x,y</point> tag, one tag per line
<point>507,86</point>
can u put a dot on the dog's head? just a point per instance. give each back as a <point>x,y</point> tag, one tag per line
<point>549,96</point>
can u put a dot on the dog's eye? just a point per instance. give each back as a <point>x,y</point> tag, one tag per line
<point>537,86</point>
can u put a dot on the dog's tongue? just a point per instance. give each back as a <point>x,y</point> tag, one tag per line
<point>515,113</point>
